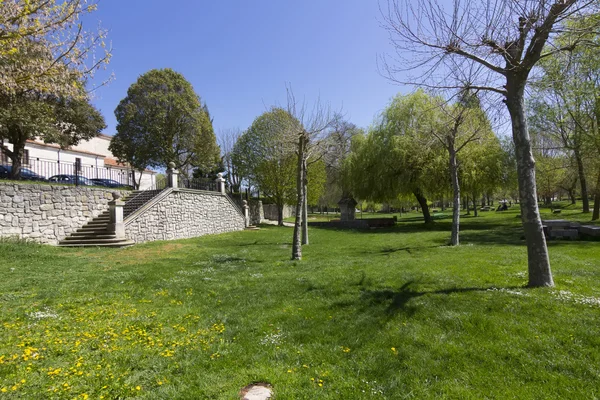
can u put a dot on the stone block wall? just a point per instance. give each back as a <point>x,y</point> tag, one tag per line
<point>184,214</point>
<point>270,211</point>
<point>255,210</point>
<point>48,213</point>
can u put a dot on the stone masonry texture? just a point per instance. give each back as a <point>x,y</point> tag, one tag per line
<point>184,214</point>
<point>255,210</point>
<point>48,213</point>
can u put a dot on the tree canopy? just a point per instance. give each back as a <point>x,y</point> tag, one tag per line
<point>45,49</point>
<point>162,120</point>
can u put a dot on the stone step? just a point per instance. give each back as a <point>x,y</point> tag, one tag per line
<point>564,234</point>
<point>590,230</point>
<point>95,226</point>
<point>85,236</point>
<point>252,228</point>
<point>92,230</point>
<point>122,243</point>
<point>91,241</point>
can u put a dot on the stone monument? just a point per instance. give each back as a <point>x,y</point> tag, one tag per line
<point>347,208</point>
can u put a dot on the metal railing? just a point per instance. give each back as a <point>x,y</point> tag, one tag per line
<point>197,184</point>
<point>39,169</point>
<point>140,197</point>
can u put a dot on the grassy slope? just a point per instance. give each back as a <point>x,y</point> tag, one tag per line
<point>388,313</point>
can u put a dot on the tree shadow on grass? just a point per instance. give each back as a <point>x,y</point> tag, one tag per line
<point>398,300</point>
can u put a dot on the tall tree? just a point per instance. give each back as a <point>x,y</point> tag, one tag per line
<point>227,140</point>
<point>163,120</point>
<point>462,124</point>
<point>336,147</point>
<point>492,46</point>
<point>399,156</point>
<point>309,134</point>
<point>44,47</point>
<point>265,155</point>
<point>32,116</point>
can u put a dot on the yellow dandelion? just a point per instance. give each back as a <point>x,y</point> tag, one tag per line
<point>138,388</point>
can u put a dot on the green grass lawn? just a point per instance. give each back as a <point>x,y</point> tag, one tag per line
<point>390,313</point>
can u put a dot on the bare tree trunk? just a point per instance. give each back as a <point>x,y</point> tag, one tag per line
<point>596,214</point>
<point>423,202</point>
<point>305,206</point>
<point>572,196</point>
<point>280,214</point>
<point>297,239</point>
<point>16,158</point>
<point>467,205</point>
<point>583,182</point>
<point>475,212</point>
<point>539,270</point>
<point>454,239</point>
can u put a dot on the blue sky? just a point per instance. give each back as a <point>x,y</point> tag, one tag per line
<point>239,55</point>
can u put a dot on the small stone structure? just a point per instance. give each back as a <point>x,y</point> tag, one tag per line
<point>563,229</point>
<point>255,210</point>
<point>48,213</point>
<point>270,211</point>
<point>347,208</point>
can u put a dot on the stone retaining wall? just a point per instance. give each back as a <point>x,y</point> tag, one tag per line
<point>270,211</point>
<point>255,210</point>
<point>184,214</point>
<point>48,213</point>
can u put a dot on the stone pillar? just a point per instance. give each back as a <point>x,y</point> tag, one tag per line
<point>172,175</point>
<point>116,225</point>
<point>347,208</point>
<point>220,183</point>
<point>246,214</point>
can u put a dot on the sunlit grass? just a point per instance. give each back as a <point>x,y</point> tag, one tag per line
<point>391,313</point>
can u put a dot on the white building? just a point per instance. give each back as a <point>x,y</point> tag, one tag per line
<point>94,157</point>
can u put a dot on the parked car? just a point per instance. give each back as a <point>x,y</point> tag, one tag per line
<point>70,179</point>
<point>111,183</point>
<point>26,173</point>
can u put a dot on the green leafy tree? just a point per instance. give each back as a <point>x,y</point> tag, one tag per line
<point>399,156</point>
<point>163,120</point>
<point>44,47</point>
<point>54,120</point>
<point>337,146</point>
<point>461,126</point>
<point>264,154</point>
<point>491,46</point>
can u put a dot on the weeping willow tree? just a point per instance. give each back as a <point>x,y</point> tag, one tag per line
<point>399,156</point>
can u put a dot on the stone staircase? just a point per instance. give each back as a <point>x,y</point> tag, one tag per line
<point>137,199</point>
<point>95,232</point>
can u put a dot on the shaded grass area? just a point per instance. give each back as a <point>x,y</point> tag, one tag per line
<point>391,313</point>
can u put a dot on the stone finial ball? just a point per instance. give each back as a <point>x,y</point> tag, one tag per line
<point>172,165</point>
<point>116,195</point>
<point>245,202</point>
<point>220,175</point>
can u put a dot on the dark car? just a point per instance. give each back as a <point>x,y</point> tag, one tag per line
<point>111,183</point>
<point>70,179</point>
<point>26,174</point>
